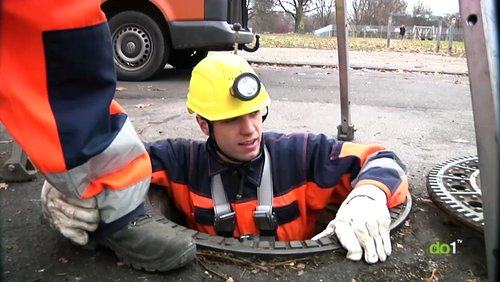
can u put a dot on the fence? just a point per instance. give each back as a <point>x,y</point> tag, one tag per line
<point>380,31</point>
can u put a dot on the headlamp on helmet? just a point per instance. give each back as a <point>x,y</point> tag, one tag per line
<point>246,86</point>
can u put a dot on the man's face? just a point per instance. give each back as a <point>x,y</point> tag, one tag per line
<point>239,137</point>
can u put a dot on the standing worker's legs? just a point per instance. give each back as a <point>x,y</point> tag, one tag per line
<point>58,81</point>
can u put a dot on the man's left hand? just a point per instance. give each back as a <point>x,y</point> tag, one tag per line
<point>362,224</point>
<point>73,218</point>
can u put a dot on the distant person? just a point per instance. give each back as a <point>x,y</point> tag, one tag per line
<point>402,31</point>
<point>242,182</point>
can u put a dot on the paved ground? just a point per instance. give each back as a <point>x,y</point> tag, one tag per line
<point>417,62</point>
<point>419,115</point>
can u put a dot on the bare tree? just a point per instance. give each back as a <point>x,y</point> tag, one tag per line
<point>258,7</point>
<point>421,14</point>
<point>261,15</point>
<point>297,9</point>
<point>362,12</point>
<point>420,9</point>
<point>324,12</point>
<point>375,12</point>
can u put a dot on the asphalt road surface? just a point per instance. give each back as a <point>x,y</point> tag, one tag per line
<point>425,118</point>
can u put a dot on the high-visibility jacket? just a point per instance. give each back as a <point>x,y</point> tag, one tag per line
<point>308,172</point>
<point>57,82</point>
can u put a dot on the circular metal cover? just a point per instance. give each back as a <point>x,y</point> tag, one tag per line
<point>454,187</point>
<point>157,199</point>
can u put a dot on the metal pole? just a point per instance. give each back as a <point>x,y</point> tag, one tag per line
<point>345,131</point>
<point>450,38</point>
<point>236,28</point>
<point>481,45</point>
<point>389,28</point>
<point>438,37</point>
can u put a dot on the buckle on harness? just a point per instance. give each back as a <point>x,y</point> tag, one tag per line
<point>225,222</point>
<point>265,220</point>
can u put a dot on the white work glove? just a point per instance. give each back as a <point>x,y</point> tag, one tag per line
<point>362,224</point>
<point>71,217</point>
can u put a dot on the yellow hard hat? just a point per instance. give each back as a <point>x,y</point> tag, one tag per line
<point>224,86</point>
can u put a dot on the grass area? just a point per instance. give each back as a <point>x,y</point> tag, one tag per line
<point>359,44</point>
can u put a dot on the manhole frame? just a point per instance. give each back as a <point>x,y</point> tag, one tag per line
<point>443,195</point>
<point>278,248</point>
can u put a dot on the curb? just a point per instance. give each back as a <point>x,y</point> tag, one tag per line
<point>354,67</point>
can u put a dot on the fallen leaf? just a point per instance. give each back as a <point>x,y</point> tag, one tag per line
<point>230,279</point>
<point>141,106</point>
<point>63,260</point>
<point>300,273</point>
<point>301,266</point>
<point>3,185</point>
<point>459,140</point>
<point>433,277</point>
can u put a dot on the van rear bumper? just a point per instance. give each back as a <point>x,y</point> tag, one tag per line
<point>206,35</point>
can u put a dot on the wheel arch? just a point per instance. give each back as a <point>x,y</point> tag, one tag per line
<point>113,7</point>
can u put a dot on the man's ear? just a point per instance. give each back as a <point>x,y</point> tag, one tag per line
<point>203,124</point>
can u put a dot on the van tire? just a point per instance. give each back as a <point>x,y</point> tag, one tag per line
<point>141,47</point>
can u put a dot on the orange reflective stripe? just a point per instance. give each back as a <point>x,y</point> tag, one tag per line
<point>56,14</point>
<point>181,197</point>
<point>160,178</point>
<point>245,223</point>
<point>202,228</point>
<point>302,227</point>
<point>115,108</point>
<point>187,207</point>
<point>137,170</point>
<point>24,107</point>
<point>399,196</point>
<point>359,150</point>
<point>201,201</point>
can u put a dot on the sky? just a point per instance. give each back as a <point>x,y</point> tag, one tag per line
<point>438,7</point>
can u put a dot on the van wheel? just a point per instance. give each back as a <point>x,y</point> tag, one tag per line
<point>140,47</point>
<point>186,59</point>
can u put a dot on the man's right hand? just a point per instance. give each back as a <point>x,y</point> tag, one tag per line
<point>71,217</point>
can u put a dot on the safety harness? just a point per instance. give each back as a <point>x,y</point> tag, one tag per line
<point>263,215</point>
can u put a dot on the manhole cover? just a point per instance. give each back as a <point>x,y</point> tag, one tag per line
<point>157,199</point>
<point>454,186</point>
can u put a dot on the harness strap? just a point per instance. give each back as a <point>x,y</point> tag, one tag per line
<point>264,216</point>
<point>224,216</point>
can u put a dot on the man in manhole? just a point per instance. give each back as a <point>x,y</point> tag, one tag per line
<point>242,182</point>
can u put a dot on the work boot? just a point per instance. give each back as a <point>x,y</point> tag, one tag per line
<point>150,245</point>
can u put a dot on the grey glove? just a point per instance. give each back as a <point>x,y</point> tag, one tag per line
<point>362,224</point>
<point>71,217</point>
